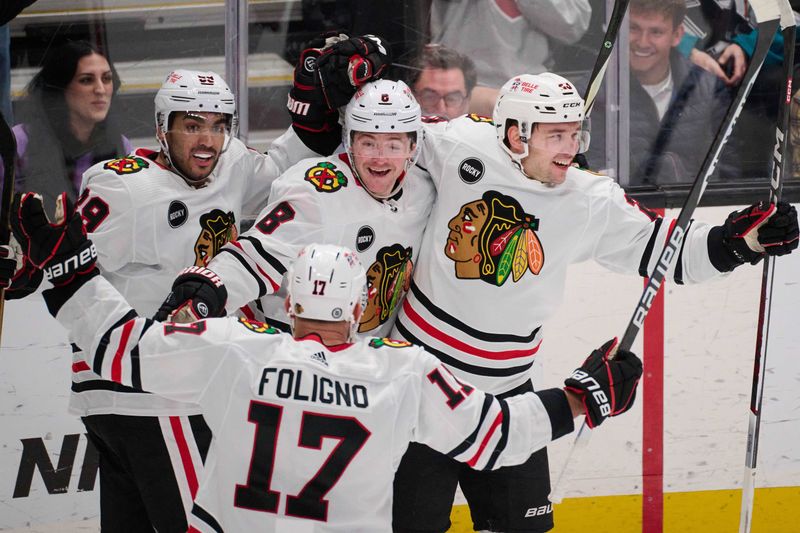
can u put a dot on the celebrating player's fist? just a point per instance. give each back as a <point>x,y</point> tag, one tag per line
<point>351,63</point>
<point>59,249</point>
<point>606,382</point>
<point>197,293</point>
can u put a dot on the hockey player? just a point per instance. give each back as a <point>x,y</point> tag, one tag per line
<point>511,213</point>
<point>152,213</point>
<point>308,428</point>
<point>370,198</point>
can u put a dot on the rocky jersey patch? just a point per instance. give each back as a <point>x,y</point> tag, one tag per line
<point>127,165</point>
<point>391,343</point>
<point>492,238</point>
<point>388,279</point>
<point>325,177</point>
<point>258,327</point>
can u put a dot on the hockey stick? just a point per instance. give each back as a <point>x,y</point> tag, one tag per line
<point>767,14</point>
<point>604,56</point>
<point>780,167</point>
<point>8,151</point>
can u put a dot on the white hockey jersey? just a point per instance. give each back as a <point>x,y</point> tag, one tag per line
<point>494,258</point>
<point>320,201</point>
<point>148,223</point>
<point>307,437</point>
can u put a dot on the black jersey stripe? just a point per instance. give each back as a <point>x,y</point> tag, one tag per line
<point>470,440</point>
<point>102,384</point>
<point>440,314</point>
<point>262,287</point>
<point>455,363</point>
<point>206,517</point>
<point>100,353</point>
<point>679,265</point>
<point>202,435</point>
<point>268,257</point>
<point>648,250</point>
<point>501,444</point>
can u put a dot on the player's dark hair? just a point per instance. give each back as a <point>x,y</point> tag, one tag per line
<point>674,9</point>
<point>437,56</point>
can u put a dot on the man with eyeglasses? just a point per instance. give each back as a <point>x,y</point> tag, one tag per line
<point>443,81</point>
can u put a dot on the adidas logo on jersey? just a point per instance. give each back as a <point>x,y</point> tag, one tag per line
<point>320,358</point>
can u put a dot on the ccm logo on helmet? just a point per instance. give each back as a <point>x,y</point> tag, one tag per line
<point>572,104</point>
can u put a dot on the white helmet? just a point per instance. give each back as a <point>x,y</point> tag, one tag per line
<point>383,106</point>
<point>193,90</point>
<point>325,283</point>
<point>532,98</point>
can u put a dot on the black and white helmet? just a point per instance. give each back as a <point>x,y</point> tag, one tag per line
<point>532,98</point>
<point>193,90</point>
<point>383,106</point>
<point>326,282</point>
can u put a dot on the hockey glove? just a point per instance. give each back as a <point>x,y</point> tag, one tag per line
<point>749,234</point>
<point>197,293</point>
<point>17,275</point>
<point>349,64</point>
<point>607,386</point>
<point>315,123</point>
<point>61,249</point>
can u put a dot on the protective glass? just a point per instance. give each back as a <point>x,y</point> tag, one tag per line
<point>429,98</point>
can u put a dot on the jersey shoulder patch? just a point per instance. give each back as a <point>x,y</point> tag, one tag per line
<point>127,165</point>
<point>474,117</point>
<point>325,177</point>
<point>258,327</point>
<point>391,343</point>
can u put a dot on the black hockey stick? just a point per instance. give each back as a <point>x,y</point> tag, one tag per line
<point>8,152</point>
<point>604,56</point>
<point>780,167</point>
<point>767,14</point>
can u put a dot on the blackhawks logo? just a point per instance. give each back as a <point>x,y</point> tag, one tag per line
<point>492,239</point>
<point>391,343</point>
<point>216,229</point>
<point>325,177</point>
<point>258,327</point>
<point>126,165</point>
<point>474,117</point>
<point>388,279</point>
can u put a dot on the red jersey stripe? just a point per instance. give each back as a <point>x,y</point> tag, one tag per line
<point>497,421</point>
<point>186,456</point>
<point>116,363</point>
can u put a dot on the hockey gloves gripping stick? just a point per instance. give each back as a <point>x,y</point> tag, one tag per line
<point>326,76</point>
<point>606,385</point>
<point>747,235</point>
<point>60,249</point>
<point>197,293</point>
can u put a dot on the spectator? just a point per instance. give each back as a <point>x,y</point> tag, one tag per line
<point>675,107</point>
<point>443,81</point>
<point>65,126</point>
<point>506,38</point>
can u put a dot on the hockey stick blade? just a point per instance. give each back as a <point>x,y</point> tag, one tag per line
<point>779,169</point>
<point>8,151</point>
<point>767,13</point>
<point>604,55</point>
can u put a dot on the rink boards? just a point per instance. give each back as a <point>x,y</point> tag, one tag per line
<point>683,470</point>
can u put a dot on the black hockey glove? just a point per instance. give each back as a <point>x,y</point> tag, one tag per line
<point>607,386</point>
<point>349,64</point>
<point>314,121</point>
<point>747,235</point>
<point>197,293</point>
<point>61,249</point>
<point>580,161</point>
<point>17,275</point>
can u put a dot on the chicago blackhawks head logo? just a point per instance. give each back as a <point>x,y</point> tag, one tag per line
<point>126,165</point>
<point>493,237</point>
<point>388,279</point>
<point>325,177</point>
<point>217,228</point>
